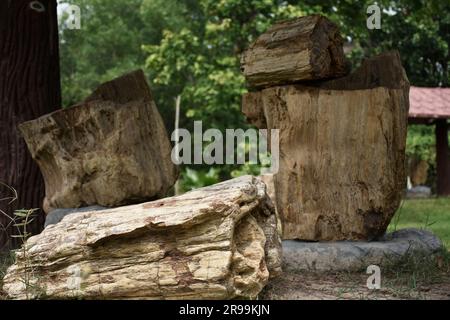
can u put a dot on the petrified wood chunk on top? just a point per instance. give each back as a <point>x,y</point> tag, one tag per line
<point>216,242</point>
<point>342,150</point>
<point>112,149</point>
<point>304,48</point>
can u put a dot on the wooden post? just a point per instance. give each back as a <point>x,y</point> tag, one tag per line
<point>177,124</point>
<point>29,88</point>
<point>442,158</point>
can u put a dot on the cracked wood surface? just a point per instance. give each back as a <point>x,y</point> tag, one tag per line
<point>110,150</point>
<point>216,242</point>
<point>342,150</point>
<point>304,48</point>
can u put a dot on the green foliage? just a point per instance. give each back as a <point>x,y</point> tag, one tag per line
<point>193,179</point>
<point>421,142</point>
<point>199,58</point>
<point>191,48</point>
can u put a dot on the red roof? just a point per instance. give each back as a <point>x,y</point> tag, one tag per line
<point>429,102</point>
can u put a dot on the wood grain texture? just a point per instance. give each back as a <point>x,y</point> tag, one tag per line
<point>110,150</point>
<point>29,88</point>
<point>217,242</point>
<point>342,150</point>
<point>304,48</point>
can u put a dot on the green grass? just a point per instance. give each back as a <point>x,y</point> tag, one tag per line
<point>6,259</point>
<point>430,214</point>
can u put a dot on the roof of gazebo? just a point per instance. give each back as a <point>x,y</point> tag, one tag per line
<point>431,103</point>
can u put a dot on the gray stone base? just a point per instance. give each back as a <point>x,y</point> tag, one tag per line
<point>55,216</point>
<point>355,256</point>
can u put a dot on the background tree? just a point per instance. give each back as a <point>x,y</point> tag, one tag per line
<point>29,88</point>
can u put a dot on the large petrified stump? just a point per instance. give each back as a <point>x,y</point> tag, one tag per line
<point>342,150</point>
<point>112,149</point>
<point>217,242</point>
<point>304,48</point>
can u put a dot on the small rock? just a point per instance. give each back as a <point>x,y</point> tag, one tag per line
<point>419,192</point>
<point>57,215</point>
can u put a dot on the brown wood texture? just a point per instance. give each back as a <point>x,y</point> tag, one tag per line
<point>29,88</point>
<point>342,150</point>
<point>217,242</point>
<point>304,48</point>
<point>110,150</point>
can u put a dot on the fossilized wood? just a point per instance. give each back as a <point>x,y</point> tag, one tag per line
<point>342,150</point>
<point>110,150</point>
<point>268,179</point>
<point>216,242</point>
<point>304,48</point>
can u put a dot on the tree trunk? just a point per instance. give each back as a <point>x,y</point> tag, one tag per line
<point>342,150</point>
<point>29,88</point>
<point>442,158</point>
<point>216,242</point>
<point>110,150</point>
<point>306,48</point>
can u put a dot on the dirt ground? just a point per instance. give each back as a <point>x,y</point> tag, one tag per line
<point>311,286</point>
<point>314,286</point>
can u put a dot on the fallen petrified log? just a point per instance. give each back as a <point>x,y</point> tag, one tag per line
<point>342,150</point>
<point>216,242</point>
<point>110,150</point>
<point>304,48</point>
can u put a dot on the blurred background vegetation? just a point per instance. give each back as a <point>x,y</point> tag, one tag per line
<point>191,49</point>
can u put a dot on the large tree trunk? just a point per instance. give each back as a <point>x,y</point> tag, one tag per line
<point>212,243</point>
<point>342,150</point>
<point>29,88</point>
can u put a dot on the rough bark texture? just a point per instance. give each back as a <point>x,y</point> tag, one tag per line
<point>442,158</point>
<point>110,150</point>
<point>29,88</point>
<point>305,48</point>
<point>342,150</point>
<point>217,242</point>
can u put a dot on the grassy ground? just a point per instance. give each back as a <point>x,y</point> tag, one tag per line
<point>6,259</point>
<point>431,214</point>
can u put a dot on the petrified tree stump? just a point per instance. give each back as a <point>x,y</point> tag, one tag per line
<point>216,242</point>
<point>112,149</point>
<point>304,48</point>
<point>342,150</point>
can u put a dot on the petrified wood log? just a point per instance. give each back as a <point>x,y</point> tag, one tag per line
<point>304,48</point>
<point>216,242</point>
<point>342,150</point>
<point>110,150</point>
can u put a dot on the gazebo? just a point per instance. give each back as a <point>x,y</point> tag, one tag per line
<point>431,106</point>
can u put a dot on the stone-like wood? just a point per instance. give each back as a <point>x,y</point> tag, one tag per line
<point>342,150</point>
<point>216,242</point>
<point>110,150</point>
<point>304,48</point>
